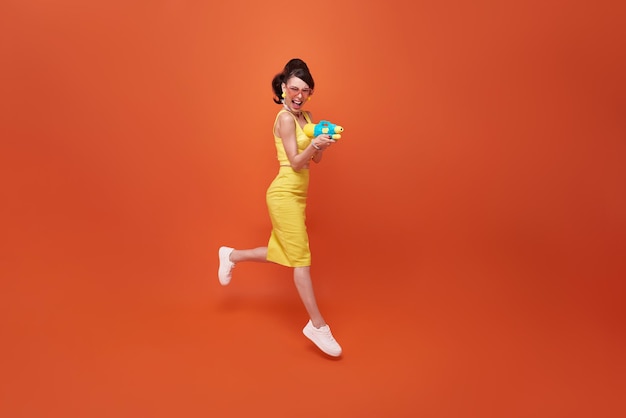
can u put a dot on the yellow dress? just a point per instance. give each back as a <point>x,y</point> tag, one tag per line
<point>286,201</point>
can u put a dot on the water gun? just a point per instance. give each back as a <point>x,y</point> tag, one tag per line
<point>323,127</point>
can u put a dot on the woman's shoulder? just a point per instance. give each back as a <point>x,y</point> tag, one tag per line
<point>284,119</point>
<point>284,115</point>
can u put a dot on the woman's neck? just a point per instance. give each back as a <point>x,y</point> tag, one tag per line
<point>296,114</point>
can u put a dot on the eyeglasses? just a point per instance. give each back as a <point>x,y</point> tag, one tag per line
<point>294,91</point>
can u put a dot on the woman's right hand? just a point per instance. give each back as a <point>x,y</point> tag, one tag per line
<point>322,142</point>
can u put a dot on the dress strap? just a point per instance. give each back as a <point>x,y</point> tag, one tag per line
<point>306,115</point>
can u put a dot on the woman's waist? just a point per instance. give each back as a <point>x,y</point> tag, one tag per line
<point>289,179</point>
<point>287,165</point>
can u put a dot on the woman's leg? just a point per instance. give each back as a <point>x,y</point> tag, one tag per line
<point>316,329</point>
<point>302,279</point>
<point>258,254</point>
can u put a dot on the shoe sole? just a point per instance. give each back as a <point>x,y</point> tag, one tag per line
<point>310,336</point>
<point>223,258</point>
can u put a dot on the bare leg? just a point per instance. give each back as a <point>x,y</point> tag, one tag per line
<point>302,279</point>
<point>258,254</point>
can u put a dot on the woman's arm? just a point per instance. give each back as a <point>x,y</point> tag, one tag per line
<point>286,130</point>
<point>322,139</point>
<point>317,156</point>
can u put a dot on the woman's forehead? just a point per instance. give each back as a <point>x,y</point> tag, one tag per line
<point>295,81</point>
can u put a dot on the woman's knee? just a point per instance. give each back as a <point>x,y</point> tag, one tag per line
<point>301,272</point>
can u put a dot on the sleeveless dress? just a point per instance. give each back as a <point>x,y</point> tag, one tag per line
<point>286,202</point>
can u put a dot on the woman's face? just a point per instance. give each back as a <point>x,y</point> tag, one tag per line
<point>297,92</point>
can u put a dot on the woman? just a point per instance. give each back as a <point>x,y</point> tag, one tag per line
<point>286,199</point>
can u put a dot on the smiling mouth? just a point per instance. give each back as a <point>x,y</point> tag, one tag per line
<point>296,103</point>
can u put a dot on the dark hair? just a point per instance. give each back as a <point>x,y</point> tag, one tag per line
<point>294,68</point>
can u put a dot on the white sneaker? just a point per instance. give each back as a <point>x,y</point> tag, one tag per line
<point>225,270</point>
<point>323,339</point>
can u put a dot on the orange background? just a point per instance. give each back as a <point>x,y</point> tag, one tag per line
<point>467,232</point>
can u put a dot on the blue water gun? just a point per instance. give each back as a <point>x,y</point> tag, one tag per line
<point>313,130</point>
